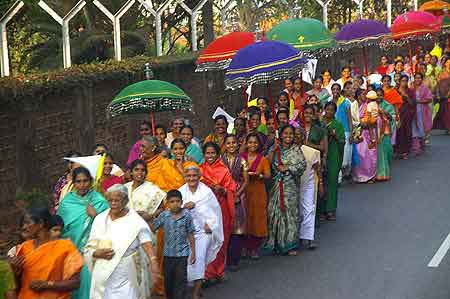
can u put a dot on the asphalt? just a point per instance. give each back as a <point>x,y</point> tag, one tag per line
<point>380,246</point>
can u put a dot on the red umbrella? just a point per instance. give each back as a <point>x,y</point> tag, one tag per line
<point>218,54</point>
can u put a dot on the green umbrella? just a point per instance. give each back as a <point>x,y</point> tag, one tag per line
<point>149,96</point>
<point>305,34</point>
<point>445,24</point>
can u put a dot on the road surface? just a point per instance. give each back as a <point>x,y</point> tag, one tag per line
<point>382,246</point>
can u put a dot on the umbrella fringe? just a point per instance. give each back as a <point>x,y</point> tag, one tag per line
<point>360,42</point>
<point>213,66</point>
<point>145,105</point>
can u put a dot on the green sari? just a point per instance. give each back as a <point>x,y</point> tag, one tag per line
<point>77,227</point>
<point>283,225</point>
<point>195,153</point>
<point>334,163</point>
<point>316,134</point>
<point>7,280</point>
<point>384,147</point>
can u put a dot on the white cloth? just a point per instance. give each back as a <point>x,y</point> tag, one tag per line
<point>308,194</point>
<point>347,160</point>
<point>328,87</point>
<point>147,197</point>
<point>354,109</point>
<point>116,278</point>
<point>170,138</point>
<point>341,82</point>
<point>206,211</point>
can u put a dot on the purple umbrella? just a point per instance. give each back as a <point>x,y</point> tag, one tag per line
<point>362,33</point>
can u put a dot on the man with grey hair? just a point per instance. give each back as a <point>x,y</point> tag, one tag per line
<point>207,218</point>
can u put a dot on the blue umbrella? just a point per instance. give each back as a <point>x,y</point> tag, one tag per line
<point>263,62</point>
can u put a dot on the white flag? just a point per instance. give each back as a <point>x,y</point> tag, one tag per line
<point>92,163</point>
<point>309,71</point>
<point>230,119</point>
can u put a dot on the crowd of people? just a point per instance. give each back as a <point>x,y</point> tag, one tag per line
<point>185,210</point>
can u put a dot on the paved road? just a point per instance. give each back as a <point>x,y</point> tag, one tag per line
<point>385,236</point>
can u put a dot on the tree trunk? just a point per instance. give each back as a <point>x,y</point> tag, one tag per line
<point>208,23</point>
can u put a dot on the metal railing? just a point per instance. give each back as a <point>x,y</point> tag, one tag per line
<point>224,7</point>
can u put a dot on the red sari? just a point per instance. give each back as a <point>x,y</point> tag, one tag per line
<point>217,174</point>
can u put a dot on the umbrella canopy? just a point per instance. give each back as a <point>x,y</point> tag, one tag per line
<point>305,34</point>
<point>435,7</point>
<point>414,24</point>
<point>361,33</point>
<point>218,54</point>
<point>445,24</point>
<point>149,96</point>
<point>263,62</point>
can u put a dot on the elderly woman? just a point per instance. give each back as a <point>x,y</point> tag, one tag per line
<point>45,268</point>
<point>78,210</point>
<point>207,217</point>
<point>116,236</point>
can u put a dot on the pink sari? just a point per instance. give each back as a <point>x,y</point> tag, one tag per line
<point>367,168</point>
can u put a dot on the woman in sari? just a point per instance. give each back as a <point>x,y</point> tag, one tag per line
<point>108,179</point>
<point>366,170</point>
<point>442,119</point>
<point>386,125</point>
<point>64,182</point>
<point>327,80</point>
<point>45,268</point>
<point>78,210</point>
<point>336,143</point>
<point>256,195</point>
<point>240,130</point>
<point>217,176</point>
<point>193,151</point>
<point>407,115</point>
<point>117,234</point>
<point>283,209</point>
<point>179,162</point>
<point>319,91</point>
<point>422,124</point>
<point>145,198</point>
<point>135,151</point>
<point>220,130</point>
<point>238,168</point>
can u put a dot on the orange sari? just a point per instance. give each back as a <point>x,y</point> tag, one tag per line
<point>162,173</point>
<point>217,174</point>
<point>393,97</point>
<point>53,261</point>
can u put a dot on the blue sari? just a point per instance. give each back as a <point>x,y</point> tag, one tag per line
<point>195,153</point>
<point>77,227</point>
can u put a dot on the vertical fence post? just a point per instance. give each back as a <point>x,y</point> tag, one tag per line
<point>389,12</point>
<point>64,22</point>
<point>194,15</point>
<point>115,19</point>
<point>324,5</point>
<point>4,57</point>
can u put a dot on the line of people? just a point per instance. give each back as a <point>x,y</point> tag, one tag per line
<point>185,210</point>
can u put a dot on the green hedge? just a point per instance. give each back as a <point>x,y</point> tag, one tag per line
<point>16,92</point>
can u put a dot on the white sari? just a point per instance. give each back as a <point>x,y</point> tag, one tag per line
<point>146,197</point>
<point>206,211</point>
<point>116,278</point>
<point>308,194</point>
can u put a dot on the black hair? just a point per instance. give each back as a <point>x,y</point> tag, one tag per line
<point>282,111</point>
<point>256,135</point>
<point>177,140</point>
<point>348,83</point>
<point>262,98</point>
<point>318,78</point>
<point>109,155</point>
<point>72,154</point>
<point>283,93</point>
<point>56,220</point>
<point>420,74</point>
<point>146,123</point>
<point>346,67</point>
<point>359,92</point>
<point>331,103</point>
<point>40,215</point>
<point>188,127</point>
<point>174,193</point>
<point>219,117</point>
<point>229,136</point>
<point>284,128</point>
<point>336,84</point>
<point>213,145</point>
<point>403,77</point>
<point>239,118</point>
<point>81,170</point>
<point>161,127</point>
<point>386,76</point>
<point>100,145</point>
<point>308,106</point>
<point>138,162</point>
<point>253,109</point>
<point>381,91</point>
<point>325,71</point>
<point>177,118</point>
<point>398,61</point>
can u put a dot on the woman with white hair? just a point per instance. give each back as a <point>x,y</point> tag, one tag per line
<point>115,238</point>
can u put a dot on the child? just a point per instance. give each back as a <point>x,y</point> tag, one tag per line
<point>56,226</point>
<point>178,238</point>
<point>371,116</point>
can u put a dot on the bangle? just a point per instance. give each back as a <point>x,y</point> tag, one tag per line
<point>153,258</point>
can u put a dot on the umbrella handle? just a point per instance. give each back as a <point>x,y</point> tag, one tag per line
<point>366,67</point>
<point>152,120</point>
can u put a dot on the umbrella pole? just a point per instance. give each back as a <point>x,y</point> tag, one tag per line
<point>152,120</point>
<point>275,122</point>
<point>410,57</point>
<point>366,68</point>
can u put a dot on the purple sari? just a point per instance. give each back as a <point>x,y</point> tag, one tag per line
<point>366,170</point>
<point>407,116</point>
<point>422,124</point>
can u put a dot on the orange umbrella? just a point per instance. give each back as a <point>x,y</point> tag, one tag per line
<point>436,7</point>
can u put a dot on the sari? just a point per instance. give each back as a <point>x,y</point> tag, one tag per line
<point>217,140</point>
<point>442,118</point>
<point>206,211</point>
<point>146,197</point>
<point>53,261</point>
<point>195,153</point>
<point>323,95</point>
<point>384,148</point>
<point>366,170</point>
<point>334,163</point>
<point>135,152</point>
<point>237,168</point>
<point>118,277</point>
<point>422,123</point>
<point>343,106</point>
<point>57,189</point>
<point>7,279</point>
<point>404,132</point>
<point>392,96</point>
<point>283,209</point>
<point>77,227</point>
<point>217,174</point>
